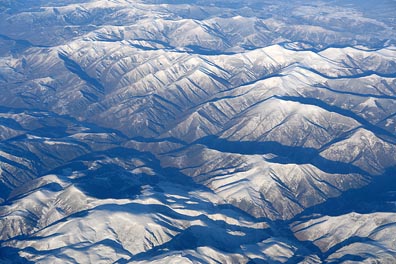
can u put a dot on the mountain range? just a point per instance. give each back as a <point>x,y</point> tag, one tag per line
<point>197,131</point>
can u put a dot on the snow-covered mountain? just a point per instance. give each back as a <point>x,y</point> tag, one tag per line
<point>197,131</point>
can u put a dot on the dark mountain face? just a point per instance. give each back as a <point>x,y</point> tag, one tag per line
<point>196,131</point>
